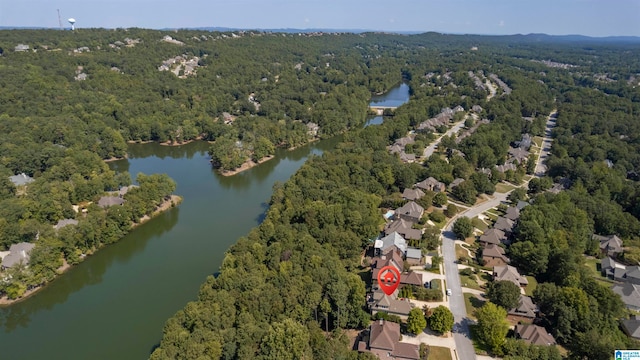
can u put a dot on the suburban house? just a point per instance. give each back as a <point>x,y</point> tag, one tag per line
<point>411,278</point>
<point>525,142</point>
<point>534,335</point>
<point>525,311</point>
<point>404,228</point>
<point>509,273</point>
<point>394,239</point>
<point>494,255</point>
<point>21,179</point>
<point>522,204</point>
<point>65,222</point>
<point>503,224</point>
<point>107,201</point>
<point>512,213</point>
<point>609,245</point>
<point>619,272</point>
<point>431,184</point>
<point>381,302</point>
<point>455,182</point>
<point>493,236</point>
<point>125,189</point>
<point>384,342</point>
<point>408,158</point>
<point>412,194</point>
<point>632,327</point>
<point>410,211</point>
<point>414,256</point>
<point>630,294</point>
<point>18,253</point>
<point>518,155</point>
<point>506,167</point>
<point>392,257</point>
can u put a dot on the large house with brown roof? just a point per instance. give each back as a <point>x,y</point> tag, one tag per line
<point>410,211</point>
<point>503,224</point>
<point>431,184</point>
<point>381,302</point>
<point>534,334</point>
<point>526,310</point>
<point>384,342</point>
<point>412,194</point>
<point>492,236</point>
<point>494,255</point>
<point>411,278</point>
<point>509,273</point>
<point>404,228</point>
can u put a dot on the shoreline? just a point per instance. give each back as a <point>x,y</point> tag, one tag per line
<point>246,166</point>
<point>167,204</point>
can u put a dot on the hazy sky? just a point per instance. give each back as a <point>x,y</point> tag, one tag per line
<point>586,17</point>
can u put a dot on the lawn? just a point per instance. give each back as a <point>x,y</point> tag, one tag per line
<point>537,140</point>
<point>593,265</point>
<point>461,252</point>
<point>503,188</point>
<point>471,303</point>
<point>470,283</point>
<point>479,224</point>
<point>528,290</point>
<point>439,353</point>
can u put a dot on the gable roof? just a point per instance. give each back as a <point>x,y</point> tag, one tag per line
<point>493,236</point>
<point>632,327</point>
<point>412,194</point>
<point>411,209</point>
<point>384,335</point>
<point>534,334</point>
<point>107,201</point>
<point>64,222</point>
<point>17,253</point>
<point>610,243</point>
<point>21,179</point>
<point>630,294</point>
<point>494,251</point>
<point>525,308</point>
<point>633,272</point>
<point>513,213</point>
<point>404,228</point>
<point>390,305</point>
<point>390,240</point>
<point>406,351</point>
<point>519,154</point>
<point>413,253</point>
<point>522,204</point>
<point>411,278</point>
<point>504,224</point>
<point>509,273</point>
<point>391,257</point>
<point>431,184</point>
<point>407,157</point>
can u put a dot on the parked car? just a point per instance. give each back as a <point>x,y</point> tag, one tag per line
<point>448,292</point>
<point>427,285</point>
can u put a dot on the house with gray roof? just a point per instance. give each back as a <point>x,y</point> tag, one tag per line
<point>503,224</point>
<point>412,194</point>
<point>513,213</point>
<point>381,302</point>
<point>455,182</point>
<point>610,245</point>
<point>630,294</point>
<point>518,155</point>
<point>526,310</point>
<point>410,211</point>
<point>506,167</point>
<point>407,158</point>
<point>107,201</point>
<point>18,253</point>
<point>21,179</point>
<point>632,327</point>
<point>534,335</point>
<point>509,273</point>
<point>125,189</point>
<point>414,256</point>
<point>404,228</point>
<point>65,222</point>
<point>386,243</point>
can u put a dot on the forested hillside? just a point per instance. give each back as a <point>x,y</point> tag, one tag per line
<point>290,288</point>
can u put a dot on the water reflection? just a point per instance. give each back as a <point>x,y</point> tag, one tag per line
<point>89,272</point>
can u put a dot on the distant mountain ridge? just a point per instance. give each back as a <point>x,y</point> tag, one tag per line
<point>533,37</point>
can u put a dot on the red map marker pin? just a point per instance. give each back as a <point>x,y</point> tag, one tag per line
<point>389,279</point>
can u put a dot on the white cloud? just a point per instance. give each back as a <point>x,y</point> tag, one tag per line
<point>501,23</point>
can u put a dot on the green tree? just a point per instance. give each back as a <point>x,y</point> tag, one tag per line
<point>416,321</point>
<point>492,326</point>
<point>286,340</point>
<point>465,192</point>
<point>504,293</point>
<point>440,199</point>
<point>463,227</point>
<point>441,320</point>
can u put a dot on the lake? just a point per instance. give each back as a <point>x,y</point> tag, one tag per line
<point>114,304</point>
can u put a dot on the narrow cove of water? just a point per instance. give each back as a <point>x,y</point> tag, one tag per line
<point>115,303</point>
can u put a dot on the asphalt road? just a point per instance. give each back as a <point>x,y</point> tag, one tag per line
<point>429,150</point>
<point>541,168</point>
<point>461,333</point>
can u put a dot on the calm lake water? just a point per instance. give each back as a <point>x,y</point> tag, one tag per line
<point>114,305</point>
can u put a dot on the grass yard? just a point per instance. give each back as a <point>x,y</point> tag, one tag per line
<point>503,188</point>
<point>528,290</point>
<point>468,282</point>
<point>471,303</point>
<point>479,224</point>
<point>537,140</point>
<point>439,353</point>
